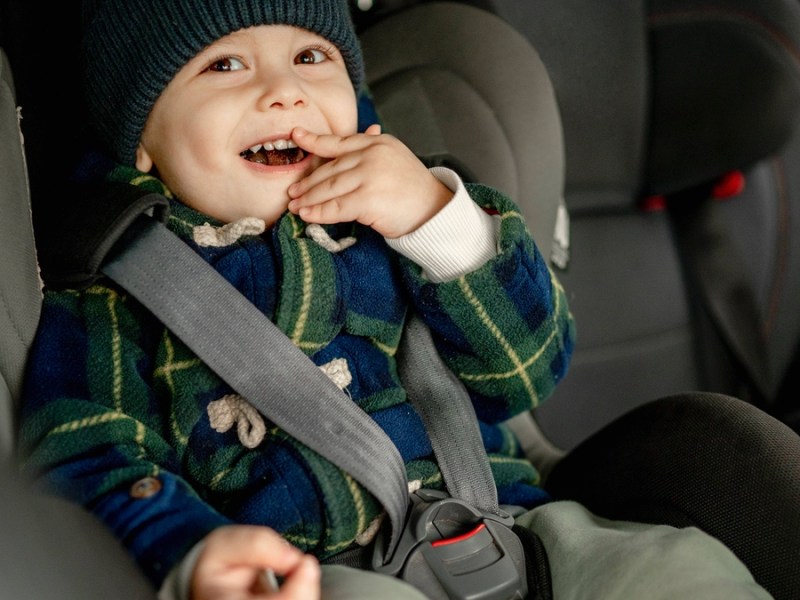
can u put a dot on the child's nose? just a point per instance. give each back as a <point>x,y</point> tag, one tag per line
<point>281,92</point>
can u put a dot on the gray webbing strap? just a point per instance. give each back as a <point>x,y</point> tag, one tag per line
<point>444,406</point>
<point>257,360</point>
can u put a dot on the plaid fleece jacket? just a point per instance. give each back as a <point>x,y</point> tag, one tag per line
<point>120,416</point>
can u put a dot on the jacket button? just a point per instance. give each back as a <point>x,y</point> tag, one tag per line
<point>144,488</point>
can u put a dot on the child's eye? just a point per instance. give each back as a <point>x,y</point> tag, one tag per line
<point>225,64</point>
<point>310,56</point>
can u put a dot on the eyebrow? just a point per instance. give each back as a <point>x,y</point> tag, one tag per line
<point>220,45</point>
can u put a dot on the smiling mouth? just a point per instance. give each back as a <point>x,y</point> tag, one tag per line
<point>275,154</point>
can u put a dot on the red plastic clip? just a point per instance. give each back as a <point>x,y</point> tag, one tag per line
<point>729,185</point>
<point>458,538</point>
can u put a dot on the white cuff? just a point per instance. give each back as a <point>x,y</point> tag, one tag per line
<point>458,239</point>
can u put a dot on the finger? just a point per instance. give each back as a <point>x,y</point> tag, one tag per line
<point>374,129</point>
<point>328,145</point>
<point>255,546</point>
<point>330,170</point>
<point>341,209</point>
<point>303,583</point>
<point>332,181</point>
<point>330,202</point>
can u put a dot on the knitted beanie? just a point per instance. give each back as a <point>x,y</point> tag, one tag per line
<point>134,48</point>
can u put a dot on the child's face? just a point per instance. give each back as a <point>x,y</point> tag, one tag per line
<point>250,88</point>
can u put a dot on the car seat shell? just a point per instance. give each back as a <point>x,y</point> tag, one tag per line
<point>20,294</point>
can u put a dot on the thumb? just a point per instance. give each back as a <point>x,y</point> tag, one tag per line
<point>303,583</point>
<point>374,129</point>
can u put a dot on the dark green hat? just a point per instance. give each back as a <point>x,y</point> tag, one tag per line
<point>134,48</point>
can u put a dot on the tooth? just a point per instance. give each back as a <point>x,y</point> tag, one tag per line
<point>255,148</point>
<point>280,144</point>
<point>291,144</point>
<point>269,146</point>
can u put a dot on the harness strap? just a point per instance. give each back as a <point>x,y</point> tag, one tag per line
<point>446,410</point>
<point>249,352</point>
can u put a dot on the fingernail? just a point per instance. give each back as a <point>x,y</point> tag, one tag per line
<point>299,131</point>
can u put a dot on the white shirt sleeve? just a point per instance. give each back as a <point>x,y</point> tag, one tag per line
<point>455,241</point>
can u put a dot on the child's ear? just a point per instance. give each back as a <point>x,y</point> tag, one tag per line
<point>143,161</point>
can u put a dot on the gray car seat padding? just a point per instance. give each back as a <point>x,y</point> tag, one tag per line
<point>20,295</point>
<point>742,488</point>
<point>53,549</point>
<point>595,54</point>
<point>50,548</point>
<point>492,106</point>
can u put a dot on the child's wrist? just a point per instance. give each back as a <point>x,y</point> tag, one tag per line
<point>457,240</point>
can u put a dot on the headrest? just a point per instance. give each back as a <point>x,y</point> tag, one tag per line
<point>725,89</point>
<point>457,82</point>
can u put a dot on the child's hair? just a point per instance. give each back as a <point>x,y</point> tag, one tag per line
<point>133,49</point>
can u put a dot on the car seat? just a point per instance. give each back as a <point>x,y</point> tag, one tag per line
<point>660,102</point>
<point>46,543</point>
<point>19,285</point>
<point>548,169</point>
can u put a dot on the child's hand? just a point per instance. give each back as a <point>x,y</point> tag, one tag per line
<point>232,563</point>
<point>372,178</point>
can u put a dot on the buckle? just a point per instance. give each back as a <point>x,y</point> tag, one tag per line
<point>450,549</point>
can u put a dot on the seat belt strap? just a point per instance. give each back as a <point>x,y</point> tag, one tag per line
<point>444,405</point>
<point>257,360</point>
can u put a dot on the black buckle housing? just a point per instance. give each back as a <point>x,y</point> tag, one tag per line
<point>450,549</point>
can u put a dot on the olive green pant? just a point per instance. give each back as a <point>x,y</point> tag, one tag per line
<point>597,559</point>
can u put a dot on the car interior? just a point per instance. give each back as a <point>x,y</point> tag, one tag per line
<point>654,149</point>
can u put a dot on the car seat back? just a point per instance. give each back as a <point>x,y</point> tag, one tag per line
<point>657,98</point>
<point>20,294</point>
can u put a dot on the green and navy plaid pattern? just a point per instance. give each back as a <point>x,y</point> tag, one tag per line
<point>113,397</point>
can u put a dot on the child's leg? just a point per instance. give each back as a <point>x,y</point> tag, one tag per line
<point>344,583</point>
<point>699,459</point>
<point>591,557</point>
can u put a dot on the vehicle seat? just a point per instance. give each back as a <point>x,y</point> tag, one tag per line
<point>546,225</point>
<point>655,99</point>
<point>20,294</point>
<point>51,548</point>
